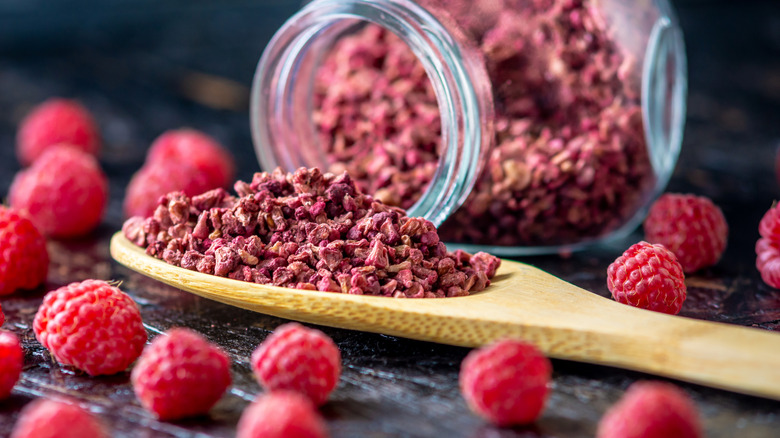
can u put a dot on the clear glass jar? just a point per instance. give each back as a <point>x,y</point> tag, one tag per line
<point>555,123</point>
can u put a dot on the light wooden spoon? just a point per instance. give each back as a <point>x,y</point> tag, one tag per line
<point>563,320</point>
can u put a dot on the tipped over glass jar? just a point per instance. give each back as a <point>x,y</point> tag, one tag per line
<point>516,126</point>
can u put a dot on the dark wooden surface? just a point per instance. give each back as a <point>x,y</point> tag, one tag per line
<point>143,67</point>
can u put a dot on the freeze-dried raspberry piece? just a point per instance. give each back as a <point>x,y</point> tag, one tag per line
<point>648,276</point>
<point>11,358</point>
<point>690,226</point>
<point>281,414</point>
<point>91,325</point>
<point>180,374</point>
<point>45,418</point>
<point>299,359</point>
<point>65,192</point>
<point>54,122</point>
<point>651,410</point>
<point>24,259</point>
<point>506,382</point>
<point>157,179</point>
<point>196,149</point>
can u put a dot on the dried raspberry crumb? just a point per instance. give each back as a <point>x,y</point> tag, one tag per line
<point>651,410</point>
<point>281,414</point>
<point>24,259</point>
<point>299,359</point>
<point>506,382</point>
<point>692,227</point>
<point>648,276</point>
<point>57,419</point>
<point>91,325</point>
<point>65,192</point>
<point>11,359</point>
<point>56,121</point>
<point>196,149</point>
<point>180,374</point>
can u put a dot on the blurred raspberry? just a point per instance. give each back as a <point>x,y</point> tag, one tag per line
<point>299,359</point>
<point>506,382</point>
<point>198,150</point>
<point>11,359</point>
<point>281,414</point>
<point>651,410</point>
<point>91,325</point>
<point>692,227</point>
<point>54,122</point>
<point>155,180</point>
<point>64,192</point>
<point>2,316</point>
<point>57,419</point>
<point>180,374</point>
<point>649,277</point>
<point>768,261</point>
<point>24,260</point>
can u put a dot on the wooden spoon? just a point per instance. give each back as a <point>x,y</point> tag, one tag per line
<point>563,320</point>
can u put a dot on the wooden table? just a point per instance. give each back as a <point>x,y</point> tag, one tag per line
<point>144,68</point>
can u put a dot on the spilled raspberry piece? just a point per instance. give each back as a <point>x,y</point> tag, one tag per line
<point>53,122</point>
<point>65,192</point>
<point>44,418</point>
<point>690,226</point>
<point>299,359</point>
<point>506,382</point>
<point>11,360</point>
<point>180,374</point>
<point>648,276</point>
<point>651,410</point>
<point>92,326</point>
<point>195,149</point>
<point>281,414</point>
<point>24,259</point>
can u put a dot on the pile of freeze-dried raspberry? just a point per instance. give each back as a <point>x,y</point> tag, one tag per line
<point>179,160</point>
<point>308,230</point>
<point>569,159</point>
<point>648,276</point>
<point>768,247</point>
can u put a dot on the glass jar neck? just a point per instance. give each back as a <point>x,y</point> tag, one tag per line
<point>281,99</point>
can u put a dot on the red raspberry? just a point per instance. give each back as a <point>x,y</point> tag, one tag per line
<point>692,227</point>
<point>180,375</point>
<point>648,276</point>
<point>24,260</point>
<point>281,414</point>
<point>65,192</point>
<point>2,316</point>
<point>158,179</point>
<point>57,419</point>
<point>91,325</point>
<point>197,149</point>
<point>506,382</point>
<point>651,410</point>
<point>769,227</point>
<point>299,359</point>
<point>54,122</point>
<point>768,261</point>
<point>11,358</point>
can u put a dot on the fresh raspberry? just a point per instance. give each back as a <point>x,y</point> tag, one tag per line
<point>65,192</point>
<point>299,359</point>
<point>24,259</point>
<point>158,179</point>
<point>281,414</point>
<point>180,375</point>
<point>91,325</point>
<point>648,276</point>
<point>506,382</point>
<point>11,358</point>
<point>2,316</point>
<point>769,227</point>
<point>692,227</point>
<point>768,261</point>
<point>651,410</point>
<point>45,418</point>
<point>54,122</point>
<point>197,149</point>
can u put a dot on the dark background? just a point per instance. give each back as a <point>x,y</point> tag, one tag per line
<point>145,66</point>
